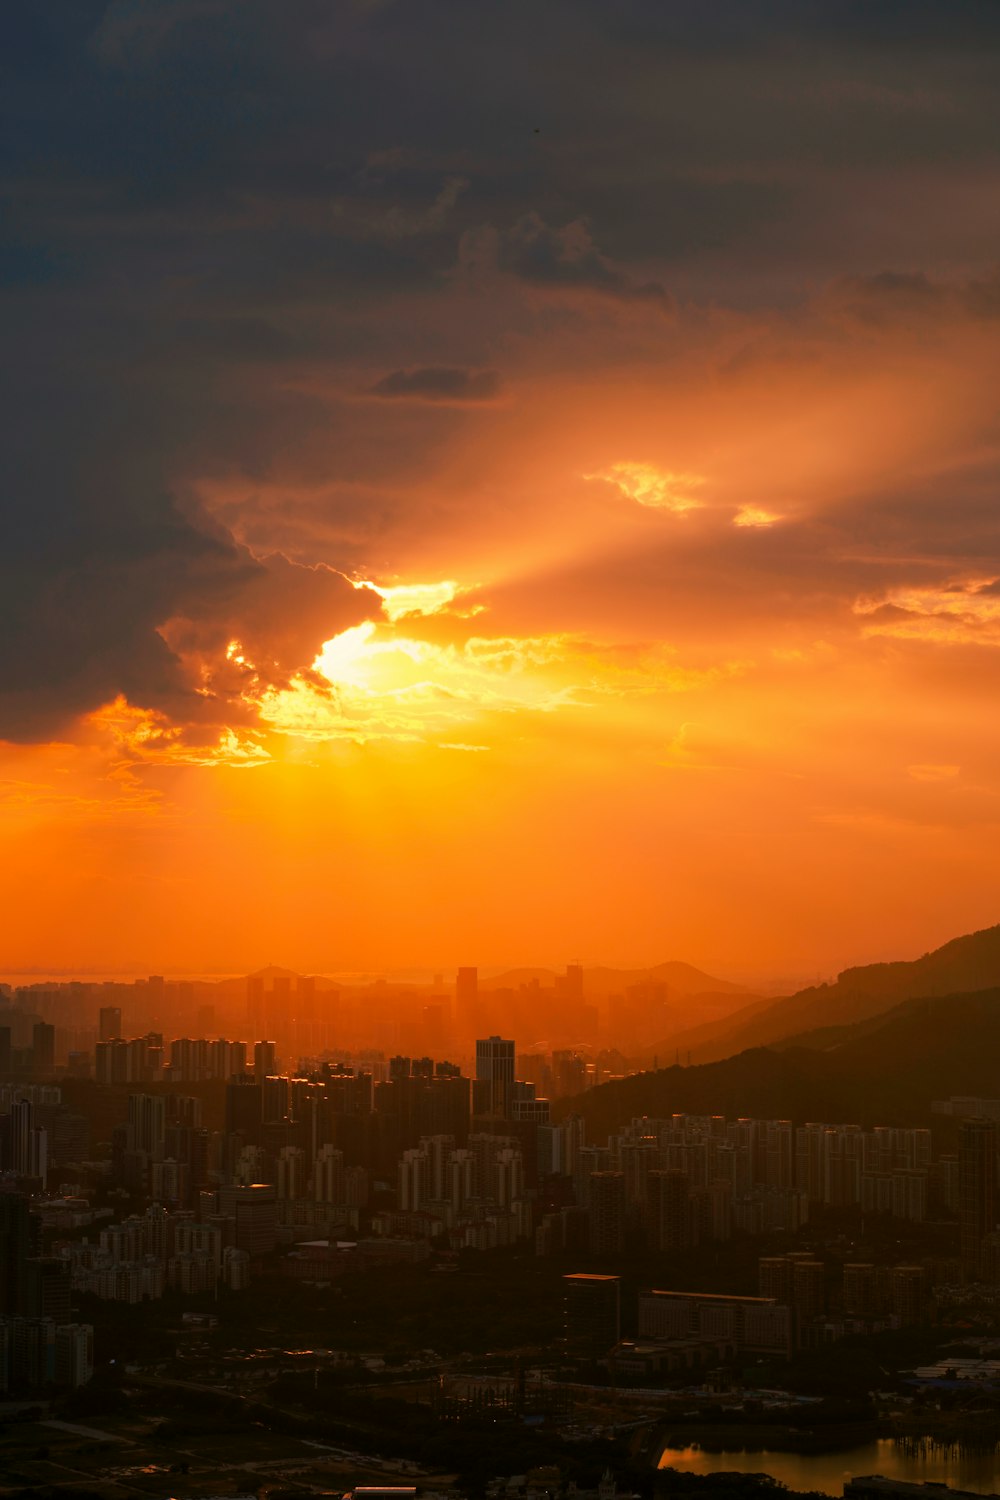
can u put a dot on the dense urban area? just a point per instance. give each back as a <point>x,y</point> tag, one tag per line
<point>383,1268</point>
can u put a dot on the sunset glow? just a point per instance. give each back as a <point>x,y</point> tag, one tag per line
<point>540,523</point>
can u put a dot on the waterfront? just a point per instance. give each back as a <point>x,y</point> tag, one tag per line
<point>915,1460</point>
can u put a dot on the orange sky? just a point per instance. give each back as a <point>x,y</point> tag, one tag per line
<point>513,585</point>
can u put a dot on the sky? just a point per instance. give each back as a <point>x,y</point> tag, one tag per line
<point>498,482</point>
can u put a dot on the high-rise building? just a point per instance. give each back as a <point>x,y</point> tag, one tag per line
<point>907,1294</point>
<point>509,1181</point>
<point>328,1175</point>
<point>667,1210</point>
<point>412,1180</point>
<point>591,1314</point>
<point>111,1062</point>
<point>244,1106</point>
<point>18,1235</point>
<point>977,1194</point>
<point>774,1278</point>
<point>607,1213</point>
<point>74,1354</point>
<point>255,1210</point>
<point>862,1290</point>
<point>109,1023</point>
<point>43,1049</point>
<point>23,1144</point>
<point>291,1172</point>
<point>265,1064</point>
<point>495,1074</point>
<point>147,1116</point>
<point>808,1291</point>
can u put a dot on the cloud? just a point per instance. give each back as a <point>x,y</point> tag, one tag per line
<point>656,489</point>
<point>443,383</point>
<point>964,613</point>
<point>754,516</point>
<point>913,297</point>
<point>136,598</point>
<point>557,259</point>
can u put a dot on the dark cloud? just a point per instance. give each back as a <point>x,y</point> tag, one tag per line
<point>223,215</point>
<point>900,296</point>
<point>566,260</point>
<point>439,383</point>
<point>117,603</point>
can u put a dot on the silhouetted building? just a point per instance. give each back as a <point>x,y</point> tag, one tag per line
<point>18,1240</point>
<point>591,1314</point>
<point>607,1213</point>
<point>109,1023</point>
<point>977,1195</point>
<point>494,1075</point>
<point>43,1049</point>
<point>244,1107</point>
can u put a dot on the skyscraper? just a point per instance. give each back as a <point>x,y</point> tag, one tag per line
<point>18,1234</point>
<point>147,1116</point>
<point>591,1314</point>
<point>43,1049</point>
<point>110,1023</point>
<point>265,1060</point>
<point>607,1213</point>
<point>977,1194</point>
<point>495,1073</point>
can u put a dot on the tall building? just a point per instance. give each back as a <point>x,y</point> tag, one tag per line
<point>495,1074</point>
<point>669,1219</point>
<point>254,1208</point>
<point>591,1314</point>
<point>291,1172</point>
<point>147,1115</point>
<point>18,1234</point>
<point>244,1106</point>
<point>328,1175</point>
<point>74,1354</point>
<point>808,1291</point>
<point>43,1049</point>
<point>265,1062</point>
<point>977,1194</point>
<point>412,1180</point>
<point>774,1278</point>
<point>109,1023</point>
<point>24,1146</point>
<point>607,1213</point>
<point>111,1062</point>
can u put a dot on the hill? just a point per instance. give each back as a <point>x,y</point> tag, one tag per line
<point>962,966</point>
<point>876,1074</point>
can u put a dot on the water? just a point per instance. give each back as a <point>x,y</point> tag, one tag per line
<point>918,1461</point>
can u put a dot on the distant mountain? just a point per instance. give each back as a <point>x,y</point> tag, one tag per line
<point>512,979</point>
<point>962,966</point>
<point>882,1071</point>
<point>599,983</point>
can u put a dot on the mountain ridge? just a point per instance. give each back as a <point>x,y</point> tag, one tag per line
<point>963,965</point>
<point>887,1072</point>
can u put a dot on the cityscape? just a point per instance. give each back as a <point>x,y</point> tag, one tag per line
<point>622,1296</point>
<point>499,750</point>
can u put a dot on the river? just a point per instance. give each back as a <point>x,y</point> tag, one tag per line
<point>916,1460</point>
